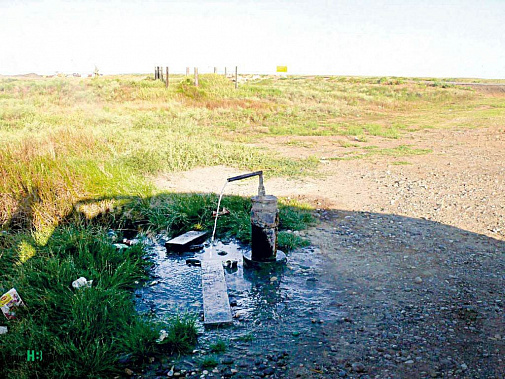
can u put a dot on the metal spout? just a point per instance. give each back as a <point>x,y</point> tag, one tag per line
<point>261,188</point>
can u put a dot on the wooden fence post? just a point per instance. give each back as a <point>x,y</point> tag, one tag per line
<point>166,84</point>
<point>215,70</point>
<point>161,73</point>
<point>196,77</point>
<point>155,72</point>
<point>225,73</point>
<point>187,71</point>
<point>236,77</point>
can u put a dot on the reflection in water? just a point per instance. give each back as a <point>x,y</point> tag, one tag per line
<point>258,296</point>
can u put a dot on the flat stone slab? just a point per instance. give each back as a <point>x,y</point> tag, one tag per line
<point>185,240</point>
<point>216,305</point>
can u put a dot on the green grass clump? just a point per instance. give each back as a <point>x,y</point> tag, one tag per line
<point>81,332</point>
<point>249,337</point>
<point>178,213</point>
<point>289,241</point>
<point>182,335</point>
<point>218,347</point>
<point>209,362</point>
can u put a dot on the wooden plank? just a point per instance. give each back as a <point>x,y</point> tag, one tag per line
<point>184,240</point>
<point>216,305</point>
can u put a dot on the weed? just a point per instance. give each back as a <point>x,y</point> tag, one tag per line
<point>249,337</point>
<point>218,347</point>
<point>182,334</point>
<point>289,241</point>
<point>209,362</point>
<point>401,163</point>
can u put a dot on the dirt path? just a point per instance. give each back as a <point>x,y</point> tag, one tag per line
<point>461,183</point>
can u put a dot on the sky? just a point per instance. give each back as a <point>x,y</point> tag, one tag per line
<point>422,38</point>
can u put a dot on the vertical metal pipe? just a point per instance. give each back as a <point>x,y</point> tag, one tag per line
<point>236,77</point>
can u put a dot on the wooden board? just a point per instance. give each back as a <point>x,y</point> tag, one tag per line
<point>185,240</point>
<point>216,305</point>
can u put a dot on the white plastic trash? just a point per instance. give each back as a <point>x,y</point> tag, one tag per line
<point>82,282</point>
<point>3,329</point>
<point>163,335</point>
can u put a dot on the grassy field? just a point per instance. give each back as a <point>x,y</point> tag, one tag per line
<point>64,139</point>
<point>76,156</point>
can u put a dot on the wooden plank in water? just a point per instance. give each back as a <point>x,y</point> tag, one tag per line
<point>216,305</point>
<point>185,240</point>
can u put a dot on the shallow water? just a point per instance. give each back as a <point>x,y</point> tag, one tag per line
<point>289,292</point>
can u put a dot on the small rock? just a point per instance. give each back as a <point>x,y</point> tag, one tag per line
<point>128,372</point>
<point>295,334</point>
<point>227,361</point>
<point>269,371</point>
<point>409,362</point>
<point>193,262</point>
<point>273,279</point>
<point>358,367</point>
<point>464,367</point>
<point>342,374</point>
<point>205,372</point>
<point>418,280</point>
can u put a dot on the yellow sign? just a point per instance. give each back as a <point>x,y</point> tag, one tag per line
<point>282,68</point>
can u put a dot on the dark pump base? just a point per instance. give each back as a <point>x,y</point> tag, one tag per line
<point>280,258</point>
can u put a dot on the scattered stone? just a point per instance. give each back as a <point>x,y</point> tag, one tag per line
<point>295,334</point>
<point>418,280</point>
<point>128,372</point>
<point>464,367</point>
<point>269,371</point>
<point>409,362</point>
<point>193,262</point>
<point>358,367</point>
<point>227,361</point>
<point>273,279</point>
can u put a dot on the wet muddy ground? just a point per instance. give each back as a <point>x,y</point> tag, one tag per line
<point>376,296</point>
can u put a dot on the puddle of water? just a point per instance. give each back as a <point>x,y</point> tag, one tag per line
<point>291,293</point>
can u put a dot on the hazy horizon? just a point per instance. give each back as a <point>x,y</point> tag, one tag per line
<point>447,38</point>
